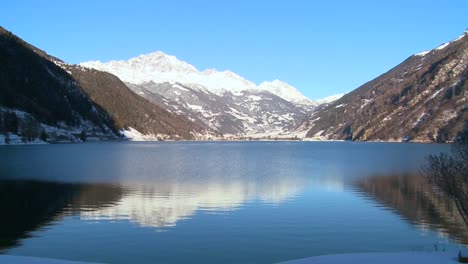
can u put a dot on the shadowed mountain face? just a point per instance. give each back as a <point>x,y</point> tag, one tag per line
<point>129,109</point>
<point>32,82</point>
<point>57,94</point>
<point>422,99</point>
<point>416,200</point>
<point>27,206</point>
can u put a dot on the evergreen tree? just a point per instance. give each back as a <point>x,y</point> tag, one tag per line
<point>2,123</point>
<point>10,121</point>
<point>83,136</point>
<point>30,129</point>
<point>7,137</point>
<point>43,135</point>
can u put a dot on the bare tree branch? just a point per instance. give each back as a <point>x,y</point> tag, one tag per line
<point>449,173</point>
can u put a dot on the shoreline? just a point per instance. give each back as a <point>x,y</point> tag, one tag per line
<point>39,142</point>
<point>219,141</point>
<point>410,257</point>
<point>14,259</point>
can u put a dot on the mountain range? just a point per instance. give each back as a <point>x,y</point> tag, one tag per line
<point>221,101</point>
<point>159,67</point>
<point>158,97</point>
<point>43,97</point>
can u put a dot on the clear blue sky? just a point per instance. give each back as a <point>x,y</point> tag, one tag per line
<point>320,47</point>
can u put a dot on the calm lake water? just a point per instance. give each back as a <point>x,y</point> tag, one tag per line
<point>223,202</point>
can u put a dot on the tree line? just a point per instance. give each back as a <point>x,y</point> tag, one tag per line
<point>27,127</point>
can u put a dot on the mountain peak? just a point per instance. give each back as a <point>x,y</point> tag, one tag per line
<point>210,71</point>
<point>285,91</point>
<point>279,82</point>
<point>159,67</point>
<point>159,61</point>
<point>157,55</point>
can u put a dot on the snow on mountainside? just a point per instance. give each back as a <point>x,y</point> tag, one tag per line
<point>441,46</point>
<point>158,67</point>
<point>223,101</point>
<point>329,99</point>
<point>244,113</point>
<point>286,92</point>
<point>42,98</point>
<point>423,99</point>
<point>42,102</point>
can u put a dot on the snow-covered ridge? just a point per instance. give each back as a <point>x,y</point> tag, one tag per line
<point>329,99</point>
<point>159,67</point>
<point>442,46</point>
<point>285,91</point>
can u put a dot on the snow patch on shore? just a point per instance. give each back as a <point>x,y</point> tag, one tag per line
<point>135,135</point>
<point>382,258</point>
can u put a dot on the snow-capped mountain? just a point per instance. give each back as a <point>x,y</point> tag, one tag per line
<point>222,100</point>
<point>158,67</point>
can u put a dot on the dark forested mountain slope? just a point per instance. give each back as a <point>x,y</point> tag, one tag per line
<point>422,99</point>
<point>31,82</point>
<point>129,109</point>
<point>41,96</point>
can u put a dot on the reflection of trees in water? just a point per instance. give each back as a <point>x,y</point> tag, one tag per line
<point>416,200</point>
<point>26,206</point>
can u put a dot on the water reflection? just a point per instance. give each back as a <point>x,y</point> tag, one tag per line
<point>417,201</point>
<point>164,203</point>
<point>26,206</point>
<point>293,199</point>
<point>30,205</point>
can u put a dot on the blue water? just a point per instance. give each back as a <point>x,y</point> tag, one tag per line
<point>202,202</point>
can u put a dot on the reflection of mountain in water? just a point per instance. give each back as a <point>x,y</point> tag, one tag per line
<point>415,199</point>
<point>163,204</point>
<point>26,206</point>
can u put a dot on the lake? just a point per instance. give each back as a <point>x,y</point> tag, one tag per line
<point>219,202</point>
